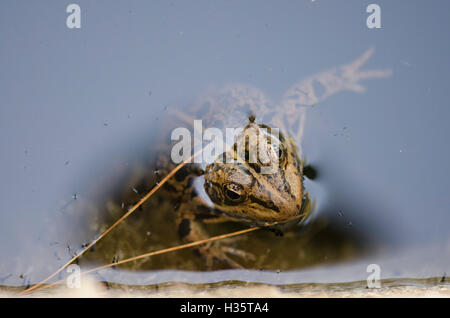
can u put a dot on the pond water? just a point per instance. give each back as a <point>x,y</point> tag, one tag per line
<point>83,111</point>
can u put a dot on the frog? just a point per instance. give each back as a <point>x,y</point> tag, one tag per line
<point>237,190</point>
<point>241,189</point>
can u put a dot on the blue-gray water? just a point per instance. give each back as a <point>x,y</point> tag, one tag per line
<point>76,103</point>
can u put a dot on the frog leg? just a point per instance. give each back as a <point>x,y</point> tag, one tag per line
<point>238,252</point>
<point>228,249</point>
<point>191,212</point>
<point>191,230</point>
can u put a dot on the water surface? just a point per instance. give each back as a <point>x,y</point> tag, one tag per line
<point>81,109</point>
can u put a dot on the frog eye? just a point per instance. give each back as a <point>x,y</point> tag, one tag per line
<point>234,193</point>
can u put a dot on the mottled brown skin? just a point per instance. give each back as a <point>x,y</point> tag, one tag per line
<point>241,190</point>
<point>244,191</point>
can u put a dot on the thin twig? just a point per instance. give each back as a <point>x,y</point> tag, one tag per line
<point>141,201</point>
<point>170,249</point>
<point>163,251</point>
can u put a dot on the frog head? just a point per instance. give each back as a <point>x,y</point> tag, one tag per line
<point>259,179</point>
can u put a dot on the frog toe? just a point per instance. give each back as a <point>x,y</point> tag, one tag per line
<point>215,257</point>
<point>239,253</point>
